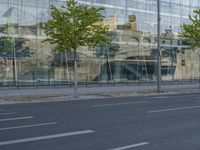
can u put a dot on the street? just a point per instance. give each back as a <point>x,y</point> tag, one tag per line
<point>170,122</point>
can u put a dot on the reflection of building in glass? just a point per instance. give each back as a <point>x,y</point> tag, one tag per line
<point>26,60</point>
<point>132,22</point>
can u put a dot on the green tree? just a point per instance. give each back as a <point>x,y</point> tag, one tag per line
<point>13,48</point>
<point>7,44</point>
<point>191,31</point>
<point>73,26</point>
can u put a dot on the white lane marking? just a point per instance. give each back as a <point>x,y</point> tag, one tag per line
<point>173,109</point>
<point>46,137</point>
<point>130,146</point>
<point>19,118</point>
<point>28,126</point>
<point>17,94</point>
<point>10,113</point>
<point>116,104</point>
<point>158,97</point>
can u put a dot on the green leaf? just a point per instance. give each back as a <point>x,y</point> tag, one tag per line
<point>191,31</point>
<point>73,26</point>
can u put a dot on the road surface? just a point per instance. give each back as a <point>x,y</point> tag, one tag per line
<point>132,123</point>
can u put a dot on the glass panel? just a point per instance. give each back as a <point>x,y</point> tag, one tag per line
<point>131,57</point>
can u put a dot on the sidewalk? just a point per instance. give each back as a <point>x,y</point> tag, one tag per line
<point>66,93</point>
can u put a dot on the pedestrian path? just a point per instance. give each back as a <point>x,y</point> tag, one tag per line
<point>46,94</point>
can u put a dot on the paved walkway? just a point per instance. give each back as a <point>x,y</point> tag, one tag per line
<point>101,91</point>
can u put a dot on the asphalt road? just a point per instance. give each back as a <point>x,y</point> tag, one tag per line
<point>139,123</point>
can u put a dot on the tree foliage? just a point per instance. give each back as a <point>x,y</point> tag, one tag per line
<point>9,44</point>
<point>191,31</point>
<point>73,26</point>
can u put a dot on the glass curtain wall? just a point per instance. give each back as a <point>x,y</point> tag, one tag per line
<point>131,57</point>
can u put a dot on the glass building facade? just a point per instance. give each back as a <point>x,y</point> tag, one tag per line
<point>130,58</point>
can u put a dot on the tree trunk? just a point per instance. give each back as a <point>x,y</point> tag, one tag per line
<point>66,70</point>
<point>75,74</point>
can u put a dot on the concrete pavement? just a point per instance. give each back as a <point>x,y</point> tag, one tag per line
<point>22,95</point>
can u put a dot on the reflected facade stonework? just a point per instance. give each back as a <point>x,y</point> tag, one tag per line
<point>131,57</point>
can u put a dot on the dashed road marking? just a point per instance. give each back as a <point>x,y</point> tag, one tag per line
<point>130,146</point>
<point>116,104</point>
<point>39,138</point>
<point>19,118</point>
<point>158,97</point>
<point>9,113</point>
<point>28,126</point>
<point>173,109</point>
